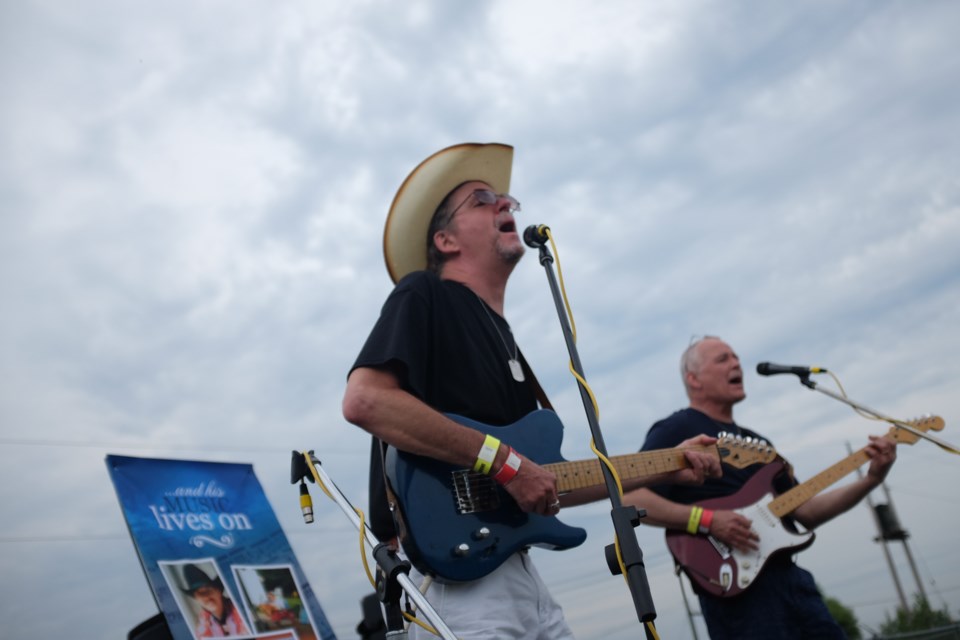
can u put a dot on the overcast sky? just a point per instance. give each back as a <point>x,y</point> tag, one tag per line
<point>193,197</point>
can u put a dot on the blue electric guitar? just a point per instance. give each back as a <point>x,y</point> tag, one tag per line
<point>457,525</point>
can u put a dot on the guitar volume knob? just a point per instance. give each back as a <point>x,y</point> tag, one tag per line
<point>481,534</point>
<point>462,550</point>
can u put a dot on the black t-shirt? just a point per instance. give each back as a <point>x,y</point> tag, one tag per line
<point>442,343</point>
<point>688,423</point>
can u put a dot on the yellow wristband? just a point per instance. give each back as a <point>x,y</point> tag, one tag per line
<point>488,452</point>
<point>693,524</point>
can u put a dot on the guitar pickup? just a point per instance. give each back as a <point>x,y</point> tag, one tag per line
<point>474,492</point>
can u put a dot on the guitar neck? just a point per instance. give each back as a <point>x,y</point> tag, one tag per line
<point>789,501</point>
<point>581,474</point>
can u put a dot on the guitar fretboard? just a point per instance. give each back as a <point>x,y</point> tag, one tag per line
<point>587,473</point>
<point>792,499</point>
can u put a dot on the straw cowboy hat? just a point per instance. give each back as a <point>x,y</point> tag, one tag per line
<point>405,235</point>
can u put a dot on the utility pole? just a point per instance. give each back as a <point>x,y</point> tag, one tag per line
<point>889,529</point>
<point>893,531</point>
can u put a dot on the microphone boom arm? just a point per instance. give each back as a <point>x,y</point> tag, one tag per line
<point>807,382</point>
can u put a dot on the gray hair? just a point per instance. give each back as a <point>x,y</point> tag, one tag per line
<point>690,359</point>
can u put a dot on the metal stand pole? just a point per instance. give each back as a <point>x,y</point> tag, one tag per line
<point>625,518</point>
<point>393,571</point>
<point>686,604</point>
<point>807,382</point>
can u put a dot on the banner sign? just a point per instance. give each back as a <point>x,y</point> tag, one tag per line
<point>213,551</point>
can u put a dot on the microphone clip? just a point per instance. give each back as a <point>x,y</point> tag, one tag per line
<point>299,468</point>
<point>300,472</point>
<point>536,235</point>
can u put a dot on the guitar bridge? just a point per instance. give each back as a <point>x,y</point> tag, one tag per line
<point>474,492</point>
<point>721,548</point>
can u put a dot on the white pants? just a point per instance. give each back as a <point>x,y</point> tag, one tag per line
<point>510,603</point>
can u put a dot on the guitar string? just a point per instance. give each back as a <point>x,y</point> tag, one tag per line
<point>584,473</point>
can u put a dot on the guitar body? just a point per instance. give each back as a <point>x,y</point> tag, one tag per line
<point>461,526</point>
<point>724,571</point>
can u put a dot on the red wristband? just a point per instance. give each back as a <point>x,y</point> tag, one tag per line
<point>705,521</point>
<point>509,468</point>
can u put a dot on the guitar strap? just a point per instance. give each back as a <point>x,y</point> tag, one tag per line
<point>537,389</point>
<point>392,501</point>
<point>398,522</point>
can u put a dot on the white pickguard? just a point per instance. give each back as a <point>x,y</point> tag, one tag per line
<point>773,538</point>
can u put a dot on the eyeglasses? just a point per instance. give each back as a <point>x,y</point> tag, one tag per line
<point>487,197</point>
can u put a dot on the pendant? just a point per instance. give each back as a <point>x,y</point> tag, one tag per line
<point>516,369</point>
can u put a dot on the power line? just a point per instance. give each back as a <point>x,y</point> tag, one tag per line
<point>95,537</point>
<point>71,538</point>
<point>22,442</point>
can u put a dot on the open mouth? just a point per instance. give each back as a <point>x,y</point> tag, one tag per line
<point>508,226</point>
<point>738,379</point>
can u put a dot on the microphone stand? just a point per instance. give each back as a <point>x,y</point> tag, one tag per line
<point>625,518</point>
<point>807,382</point>
<point>392,573</point>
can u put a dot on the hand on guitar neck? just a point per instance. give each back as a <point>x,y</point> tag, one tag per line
<point>736,530</point>
<point>703,465</point>
<point>882,452</point>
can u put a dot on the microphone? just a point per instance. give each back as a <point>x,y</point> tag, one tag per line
<point>770,369</point>
<point>306,503</point>
<point>536,235</point>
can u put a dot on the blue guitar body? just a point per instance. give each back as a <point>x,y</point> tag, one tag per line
<point>459,525</point>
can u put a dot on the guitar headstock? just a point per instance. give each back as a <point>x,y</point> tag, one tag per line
<point>740,452</point>
<point>903,436</point>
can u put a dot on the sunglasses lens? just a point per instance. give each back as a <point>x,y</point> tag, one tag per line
<point>485,196</point>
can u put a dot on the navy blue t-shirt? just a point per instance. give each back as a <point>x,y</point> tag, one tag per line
<point>687,423</point>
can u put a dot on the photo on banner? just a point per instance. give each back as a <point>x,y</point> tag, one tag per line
<point>205,602</point>
<point>271,598</point>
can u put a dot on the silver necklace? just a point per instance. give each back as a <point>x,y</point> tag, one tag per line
<point>513,362</point>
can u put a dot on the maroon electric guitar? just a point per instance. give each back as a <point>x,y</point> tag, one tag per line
<point>723,571</point>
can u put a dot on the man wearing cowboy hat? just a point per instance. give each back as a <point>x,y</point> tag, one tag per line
<point>218,615</point>
<point>442,345</point>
